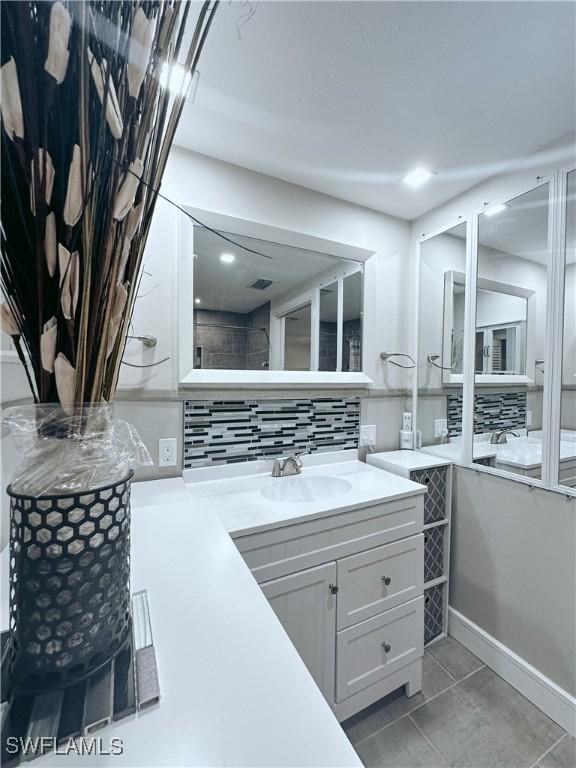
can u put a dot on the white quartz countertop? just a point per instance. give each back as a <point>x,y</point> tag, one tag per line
<point>241,501</point>
<point>234,690</point>
<point>453,451</point>
<point>406,460</point>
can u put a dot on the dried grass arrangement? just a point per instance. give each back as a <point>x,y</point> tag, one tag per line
<point>87,124</point>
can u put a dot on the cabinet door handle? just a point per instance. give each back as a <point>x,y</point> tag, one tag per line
<point>333,589</point>
<point>386,580</point>
<point>387,647</point>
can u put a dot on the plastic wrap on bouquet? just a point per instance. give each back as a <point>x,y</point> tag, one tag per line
<point>69,543</point>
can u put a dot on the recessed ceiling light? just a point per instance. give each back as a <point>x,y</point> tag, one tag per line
<point>175,78</point>
<point>227,258</point>
<point>197,301</point>
<point>495,209</point>
<point>417,177</point>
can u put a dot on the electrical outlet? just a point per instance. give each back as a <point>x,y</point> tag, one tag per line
<point>368,434</point>
<point>167,451</point>
<point>528,418</point>
<point>440,427</point>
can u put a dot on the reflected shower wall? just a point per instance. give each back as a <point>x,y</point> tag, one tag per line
<point>232,340</point>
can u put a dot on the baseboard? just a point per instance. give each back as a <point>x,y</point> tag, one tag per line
<point>555,702</point>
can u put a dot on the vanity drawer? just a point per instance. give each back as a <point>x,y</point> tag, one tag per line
<point>380,579</point>
<point>378,647</point>
<point>290,548</point>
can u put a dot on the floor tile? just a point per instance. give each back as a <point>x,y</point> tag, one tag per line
<point>397,704</point>
<point>562,756</point>
<point>483,722</point>
<point>456,660</point>
<point>399,746</point>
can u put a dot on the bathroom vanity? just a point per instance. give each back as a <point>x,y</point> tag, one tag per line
<point>338,552</point>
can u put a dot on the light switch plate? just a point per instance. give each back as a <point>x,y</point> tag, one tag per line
<point>528,418</point>
<point>368,434</point>
<point>167,451</point>
<point>440,427</point>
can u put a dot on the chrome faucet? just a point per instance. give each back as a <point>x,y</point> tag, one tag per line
<point>499,436</point>
<point>291,465</point>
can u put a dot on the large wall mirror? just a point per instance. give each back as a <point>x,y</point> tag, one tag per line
<point>567,467</point>
<point>489,375</point>
<point>511,298</point>
<point>260,305</point>
<point>442,295</point>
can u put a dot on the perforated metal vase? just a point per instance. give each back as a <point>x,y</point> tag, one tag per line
<point>69,583</point>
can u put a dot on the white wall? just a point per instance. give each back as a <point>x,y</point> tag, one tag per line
<point>513,561</point>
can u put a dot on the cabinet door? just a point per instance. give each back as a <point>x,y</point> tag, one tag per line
<point>306,608</point>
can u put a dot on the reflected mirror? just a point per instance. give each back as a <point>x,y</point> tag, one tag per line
<point>269,306</point>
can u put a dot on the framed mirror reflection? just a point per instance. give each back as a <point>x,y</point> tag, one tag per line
<point>260,305</point>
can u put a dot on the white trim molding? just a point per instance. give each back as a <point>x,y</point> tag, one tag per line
<point>545,694</point>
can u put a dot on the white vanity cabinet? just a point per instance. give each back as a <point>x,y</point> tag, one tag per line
<point>348,589</point>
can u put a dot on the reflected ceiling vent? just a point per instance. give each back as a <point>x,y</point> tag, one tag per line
<point>261,284</point>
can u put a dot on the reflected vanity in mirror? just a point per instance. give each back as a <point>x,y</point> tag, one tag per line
<point>261,306</point>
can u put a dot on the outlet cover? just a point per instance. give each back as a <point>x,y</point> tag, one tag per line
<point>368,434</point>
<point>528,418</point>
<point>167,451</point>
<point>440,427</point>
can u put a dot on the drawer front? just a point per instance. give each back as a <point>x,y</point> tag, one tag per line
<point>372,650</point>
<point>382,578</point>
<point>291,548</point>
<point>436,481</point>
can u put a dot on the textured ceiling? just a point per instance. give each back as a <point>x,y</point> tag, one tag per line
<point>346,97</point>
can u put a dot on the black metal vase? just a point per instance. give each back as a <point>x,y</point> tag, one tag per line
<point>69,584</point>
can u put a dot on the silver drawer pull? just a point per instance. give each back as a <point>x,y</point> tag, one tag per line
<point>386,580</point>
<point>387,647</point>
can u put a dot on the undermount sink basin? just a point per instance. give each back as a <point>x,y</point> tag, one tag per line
<point>300,489</point>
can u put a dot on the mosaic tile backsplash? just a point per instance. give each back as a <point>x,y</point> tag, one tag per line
<point>498,410</point>
<point>227,431</point>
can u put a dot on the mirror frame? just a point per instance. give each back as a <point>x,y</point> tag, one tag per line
<point>200,378</point>
<point>452,277</point>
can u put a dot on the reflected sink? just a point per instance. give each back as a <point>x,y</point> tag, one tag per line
<point>300,489</point>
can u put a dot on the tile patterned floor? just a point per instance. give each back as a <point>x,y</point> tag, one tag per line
<point>466,716</point>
